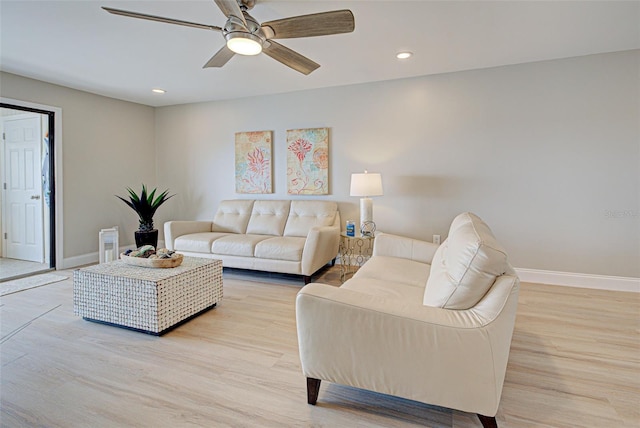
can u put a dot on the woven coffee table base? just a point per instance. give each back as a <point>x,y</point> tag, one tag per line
<point>148,300</point>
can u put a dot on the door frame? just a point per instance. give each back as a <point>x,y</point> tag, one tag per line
<point>54,115</point>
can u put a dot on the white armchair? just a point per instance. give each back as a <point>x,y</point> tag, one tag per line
<point>427,323</point>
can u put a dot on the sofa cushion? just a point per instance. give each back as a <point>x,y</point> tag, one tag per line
<point>232,216</point>
<point>304,215</point>
<point>237,245</point>
<point>281,248</point>
<point>268,217</point>
<point>197,242</point>
<point>465,266</point>
<point>395,269</point>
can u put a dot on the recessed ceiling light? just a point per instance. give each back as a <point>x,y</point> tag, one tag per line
<point>404,55</point>
<point>158,91</point>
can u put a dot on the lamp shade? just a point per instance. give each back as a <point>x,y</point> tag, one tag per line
<point>366,184</point>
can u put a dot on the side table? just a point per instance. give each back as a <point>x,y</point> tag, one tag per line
<point>353,251</point>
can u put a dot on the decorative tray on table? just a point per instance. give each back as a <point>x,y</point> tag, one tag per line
<point>148,257</point>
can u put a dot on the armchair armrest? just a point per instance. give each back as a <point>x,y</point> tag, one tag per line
<point>174,229</point>
<point>407,248</point>
<point>320,247</point>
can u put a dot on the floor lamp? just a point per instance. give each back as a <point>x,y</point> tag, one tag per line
<point>366,185</point>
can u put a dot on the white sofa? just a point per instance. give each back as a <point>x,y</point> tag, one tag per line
<point>294,237</point>
<point>424,322</point>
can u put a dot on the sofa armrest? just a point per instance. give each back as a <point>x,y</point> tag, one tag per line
<point>443,357</point>
<point>320,247</point>
<point>174,229</point>
<point>407,248</point>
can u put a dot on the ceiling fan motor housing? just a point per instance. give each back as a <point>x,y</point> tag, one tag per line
<point>235,28</point>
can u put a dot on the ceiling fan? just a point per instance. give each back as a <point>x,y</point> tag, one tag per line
<point>246,36</point>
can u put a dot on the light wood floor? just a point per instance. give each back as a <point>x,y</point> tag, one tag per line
<point>575,362</point>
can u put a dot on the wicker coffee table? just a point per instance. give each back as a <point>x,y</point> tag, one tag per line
<point>149,300</point>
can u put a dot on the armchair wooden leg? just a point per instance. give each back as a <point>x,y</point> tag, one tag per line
<point>313,387</point>
<point>488,421</point>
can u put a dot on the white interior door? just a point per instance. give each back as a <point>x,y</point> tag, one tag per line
<point>23,225</point>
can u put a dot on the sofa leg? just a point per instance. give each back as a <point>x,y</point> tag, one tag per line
<point>333,262</point>
<point>313,387</point>
<point>488,421</point>
<point>307,279</point>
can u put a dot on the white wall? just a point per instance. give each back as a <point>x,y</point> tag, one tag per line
<point>547,153</point>
<point>107,145</point>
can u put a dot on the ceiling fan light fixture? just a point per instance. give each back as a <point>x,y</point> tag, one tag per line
<point>244,43</point>
<point>246,36</point>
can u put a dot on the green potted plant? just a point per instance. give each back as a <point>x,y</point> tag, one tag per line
<point>145,206</point>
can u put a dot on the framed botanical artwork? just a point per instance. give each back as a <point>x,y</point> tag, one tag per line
<point>253,162</point>
<point>308,161</point>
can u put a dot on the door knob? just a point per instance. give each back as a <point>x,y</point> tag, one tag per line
<point>35,197</point>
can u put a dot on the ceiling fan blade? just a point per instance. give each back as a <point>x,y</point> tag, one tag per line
<point>160,19</point>
<point>289,57</point>
<point>315,24</point>
<point>231,7</point>
<point>220,58</point>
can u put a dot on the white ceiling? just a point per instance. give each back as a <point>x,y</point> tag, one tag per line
<point>77,44</point>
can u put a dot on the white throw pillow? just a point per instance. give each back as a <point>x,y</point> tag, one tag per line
<point>465,266</point>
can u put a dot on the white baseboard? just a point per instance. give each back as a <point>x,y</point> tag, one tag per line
<point>73,262</point>
<point>568,279</point>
